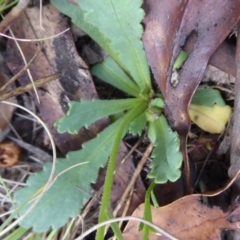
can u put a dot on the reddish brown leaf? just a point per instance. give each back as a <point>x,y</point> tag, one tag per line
<point>167,27</point>
<point>186,218</point>
<point>162,22</point>
<point>223,58</point>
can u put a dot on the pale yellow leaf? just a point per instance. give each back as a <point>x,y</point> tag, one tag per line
<point>210,119</point>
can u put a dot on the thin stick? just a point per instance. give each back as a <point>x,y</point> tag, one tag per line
<point>14,78</point>
<point>34,39</point>
<point>29,86</point>
<point>132,149</point>
<point>134,177</point>
<point>127,205</point>
<point>25,63</point>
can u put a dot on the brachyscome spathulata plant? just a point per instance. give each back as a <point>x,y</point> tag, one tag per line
<point>116,27</point>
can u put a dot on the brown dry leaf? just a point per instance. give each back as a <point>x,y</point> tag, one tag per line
<point>168,25</point>
<point>57,55</point>
<point>186,218</point>
<point>13,15</point>
<point>223,58</point>
<point>9,154</point>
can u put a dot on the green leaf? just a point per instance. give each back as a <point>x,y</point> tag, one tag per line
<point>120,23</point>
<point>77,16</point>
<point>208,97</point>
<point>157,102</point>
<point>154,109</point>
<point>88,111</point>
<point>147,215</point>
<point>154,200</point>
<point>72,189</point>
<point>181,58</point>
<point>110,72</point>
<point>116,230</point>
<point>138,125</point>
<point>167,159</point>
<point>117,30</point>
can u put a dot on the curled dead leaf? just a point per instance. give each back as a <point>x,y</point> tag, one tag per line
<point>9,154</point>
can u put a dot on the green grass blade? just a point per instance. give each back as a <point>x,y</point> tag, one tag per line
<point>87,112</point>
<point>114,226</point>
<point>147,212</point>
<point>167,158</point>
<point>154,200</point>
<point>16,234</point>
<point>110,72</point>
<point>182,57</point>
<point>52,234</point>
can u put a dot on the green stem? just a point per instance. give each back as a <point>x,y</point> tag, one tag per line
<point>132,114</point>
<point>147,211</point>
<point>3,7</point>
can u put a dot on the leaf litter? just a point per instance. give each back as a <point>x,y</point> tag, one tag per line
<point>198,206</point>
